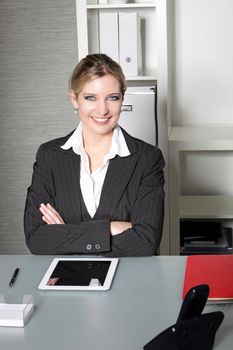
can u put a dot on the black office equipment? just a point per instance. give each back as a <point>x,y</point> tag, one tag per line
<point>192,330</point>
<point>204,237</point>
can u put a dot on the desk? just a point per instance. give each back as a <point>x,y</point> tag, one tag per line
<point>144,299</point>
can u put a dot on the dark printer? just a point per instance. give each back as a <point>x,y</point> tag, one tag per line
<point>204,237</point>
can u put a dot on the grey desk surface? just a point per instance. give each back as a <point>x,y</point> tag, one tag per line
<point>144,299</point>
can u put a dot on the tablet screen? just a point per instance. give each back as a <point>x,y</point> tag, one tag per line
<point>77,273</point>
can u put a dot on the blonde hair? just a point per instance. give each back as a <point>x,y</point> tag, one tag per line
<point>95,66</point>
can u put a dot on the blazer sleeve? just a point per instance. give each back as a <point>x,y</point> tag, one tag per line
<point>82,237</point>
<point>148,211</point>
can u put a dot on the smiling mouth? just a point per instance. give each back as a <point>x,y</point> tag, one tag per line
<point>101,120</point>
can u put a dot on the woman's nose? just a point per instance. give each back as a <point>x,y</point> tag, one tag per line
<point>102,108</point>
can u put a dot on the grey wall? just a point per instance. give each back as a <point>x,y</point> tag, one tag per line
<point>38,50</point>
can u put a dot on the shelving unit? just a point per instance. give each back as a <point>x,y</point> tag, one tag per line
<point>88,33</point>
<point>186,139</point>
<point>122,6</point>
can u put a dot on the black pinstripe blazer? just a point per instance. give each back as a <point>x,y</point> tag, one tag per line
<point>132,191</point>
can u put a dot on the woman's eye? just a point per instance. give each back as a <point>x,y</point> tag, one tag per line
<point>90,98</point>
<point>114,98</point>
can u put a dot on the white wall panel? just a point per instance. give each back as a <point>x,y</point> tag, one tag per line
<point>202,65</point>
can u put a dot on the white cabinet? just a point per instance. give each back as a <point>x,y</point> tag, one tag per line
<point>88,24</point>
<point>196,139</point>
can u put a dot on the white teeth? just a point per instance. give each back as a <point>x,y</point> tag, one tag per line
<point>101,119</point>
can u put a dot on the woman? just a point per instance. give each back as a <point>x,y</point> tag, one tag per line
<point>97,190</point>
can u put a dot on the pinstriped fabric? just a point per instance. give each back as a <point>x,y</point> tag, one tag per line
<point>132,191</point>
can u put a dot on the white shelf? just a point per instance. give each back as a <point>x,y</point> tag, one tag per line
<point>142,78</point>
<point>210,207</point>
<point>202,138</point>
<point>206,133</point>
<point>121,6</point>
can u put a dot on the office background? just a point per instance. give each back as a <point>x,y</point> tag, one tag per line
<point>38,49</point>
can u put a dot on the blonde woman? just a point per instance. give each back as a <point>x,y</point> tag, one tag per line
<point>97,190</point>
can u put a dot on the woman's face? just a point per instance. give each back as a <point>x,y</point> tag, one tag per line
<point>99,104</point>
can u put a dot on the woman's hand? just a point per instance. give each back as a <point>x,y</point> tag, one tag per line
<point>117,227</point>
<point>50,215</point>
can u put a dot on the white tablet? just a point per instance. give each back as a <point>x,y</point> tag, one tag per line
<point>79,274</point>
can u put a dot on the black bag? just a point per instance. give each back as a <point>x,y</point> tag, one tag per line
<point>192,330</point>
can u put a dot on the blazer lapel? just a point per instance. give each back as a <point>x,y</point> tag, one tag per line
<point>71,166</point>
<point>119,172</point>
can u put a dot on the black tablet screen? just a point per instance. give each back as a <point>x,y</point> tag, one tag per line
<point>79,273</point>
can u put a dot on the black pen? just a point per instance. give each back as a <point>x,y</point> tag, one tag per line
<point>13,278</point>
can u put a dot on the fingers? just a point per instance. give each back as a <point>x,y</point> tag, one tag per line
<point>54,212</point>
<point>50,215</point>
<point>117,227</point>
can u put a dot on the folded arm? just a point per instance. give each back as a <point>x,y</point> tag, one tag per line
<point>51,216</point>
<point>45,231</point>
<point>143,236</point>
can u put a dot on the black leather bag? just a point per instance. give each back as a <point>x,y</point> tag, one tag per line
<point>192,330</point>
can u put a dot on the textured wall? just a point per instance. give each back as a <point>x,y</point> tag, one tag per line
<point>38,50</point>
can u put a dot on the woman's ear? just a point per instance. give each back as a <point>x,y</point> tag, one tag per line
<point>73,99</point>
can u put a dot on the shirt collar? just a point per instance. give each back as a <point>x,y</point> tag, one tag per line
<point>118,146</point>
<point>75,141</point>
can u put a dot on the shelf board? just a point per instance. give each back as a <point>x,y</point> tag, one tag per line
<point>214,207</point>
<point>206,138</point>
<point>141,78</point>
<point>201,133</point>
<point>121,6</point>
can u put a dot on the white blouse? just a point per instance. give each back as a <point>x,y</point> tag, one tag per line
<point>91,183</point>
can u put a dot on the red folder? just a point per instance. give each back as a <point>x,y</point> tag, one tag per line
<point>214,270</point>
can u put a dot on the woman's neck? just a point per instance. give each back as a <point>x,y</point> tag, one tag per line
<point>97,141</point>
<point>96,147</point>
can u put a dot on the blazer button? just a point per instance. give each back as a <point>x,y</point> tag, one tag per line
<point>97,246</point>
<point>88,247</point>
